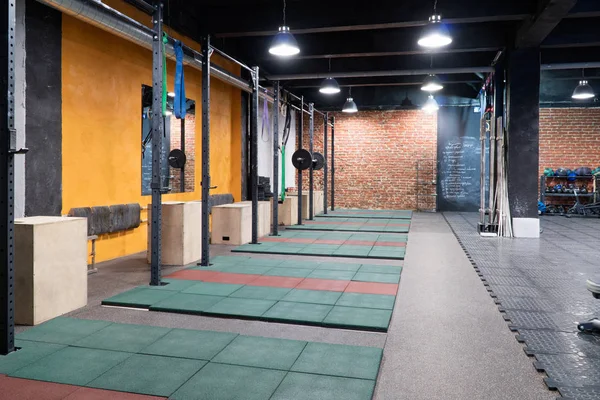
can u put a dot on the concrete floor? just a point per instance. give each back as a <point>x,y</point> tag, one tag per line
<point>446,339</point>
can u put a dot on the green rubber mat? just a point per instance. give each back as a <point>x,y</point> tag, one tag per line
<point>354,245</point>
<point>289,291</point>
<point>189,364</point>
<point>380,225</point>
<point>356,213</point>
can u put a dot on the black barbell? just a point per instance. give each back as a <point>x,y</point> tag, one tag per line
<point>302,160</point>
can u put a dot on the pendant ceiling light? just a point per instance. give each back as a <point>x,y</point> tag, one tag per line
<point>583,91</point>
<point>435,34</point>
<point>329,85</point>
<point>431,105</point>
<point>350,105</point>
<point>432,83</point>
<point>284,44</point>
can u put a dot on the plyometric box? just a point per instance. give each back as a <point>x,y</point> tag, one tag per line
<point>181,241</point>
<point>317,202</point>
<point>288,211</point>
<point>232,223</point>
<point>50,267</point>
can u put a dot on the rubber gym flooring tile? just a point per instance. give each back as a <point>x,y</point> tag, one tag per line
<point>323,284</point>
<point>332,274</point>
<point>277,281</point>
<point>146,374</point>
<point>307,226</point>
<point>380,269</point>
<point>187,343</point>
<point>72,365</point>
<point>375,277</point>
<point>22,389</point>
<point>375,214</point>
<point>252,351</point>
<point>293,272</point>
<point>247,269</point>
<point>380,301</point>
<point>339,360</point>
<point>123,337</point>
<point>181,302</point>
<point>85,393</point>
<point>339,266</point>
<point>300,386</point>
<point>312,296</point>
<point>63,330</point>
<point>241,307</point>
<point>231,382</point>
<point>285,311</point>
<point>365,318</point>
<point>29,352</point>
<point>261,292</point>
<point>212,289</point>
<point>372,288</point>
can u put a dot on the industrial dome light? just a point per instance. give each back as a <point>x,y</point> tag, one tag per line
<point>436,34</point>
<point>284,44</point>
<point>583,91</point>
<point>329,86</point>
<point>432,84</point>
<point>349,105</point>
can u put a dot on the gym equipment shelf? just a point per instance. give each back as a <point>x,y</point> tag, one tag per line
<point>593,194</point>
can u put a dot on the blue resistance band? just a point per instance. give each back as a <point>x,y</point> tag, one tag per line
<point>179,103</point>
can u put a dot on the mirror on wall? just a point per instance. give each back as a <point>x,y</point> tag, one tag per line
<point>179,134</point>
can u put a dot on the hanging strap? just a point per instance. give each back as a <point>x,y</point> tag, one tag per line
<point>164,88</point>
<point>180,106</point>
<point>282,172</point>
<point>265,122</point>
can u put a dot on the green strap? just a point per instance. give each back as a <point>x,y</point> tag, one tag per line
<point>282,172</point>
<point>164,88</point>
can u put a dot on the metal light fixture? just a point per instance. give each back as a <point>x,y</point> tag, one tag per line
<point>350,105</point>
<point>432,84</point>
<point>583,91</point>
<point>284,44</point>
<point>329,85</point>
<point>436,34</point>
<point>431,105</point>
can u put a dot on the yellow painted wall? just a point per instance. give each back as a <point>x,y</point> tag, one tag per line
<point>102,77</point>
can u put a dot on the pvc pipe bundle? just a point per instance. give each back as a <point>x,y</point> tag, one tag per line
<point>503,217</point>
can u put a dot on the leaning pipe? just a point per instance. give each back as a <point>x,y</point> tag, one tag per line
<point>108,19</point>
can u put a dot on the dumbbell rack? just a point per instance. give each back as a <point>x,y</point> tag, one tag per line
<point>590,195</point>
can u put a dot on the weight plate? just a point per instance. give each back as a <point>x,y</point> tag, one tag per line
<point>301,159</point>
<point>318,161</point>
<point>177,158</point>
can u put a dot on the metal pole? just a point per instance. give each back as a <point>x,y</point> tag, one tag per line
<point>332,163</point>
<point>482,133</point>
<point>205,259</point>
<point>325,122</point>
<point>276,159</point>
<point>300,134</point>
<point>182,172</point>
<point>254,154</point>
<point>311,132</point>
<point>157,136</point>
<point>8,139</point>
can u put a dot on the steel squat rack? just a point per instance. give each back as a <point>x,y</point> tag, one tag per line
<point>95,13</point>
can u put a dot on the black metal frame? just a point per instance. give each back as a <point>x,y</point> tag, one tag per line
<point>254,152</point>
<point>205,258</point>
<point>332,163</point>
<point>182,146</point>
<point>157,135</point>
<point>7,150</point>
<point>275,202</point>
<point>300,134</point>
<point>311,132</point>
<point>325,123</point>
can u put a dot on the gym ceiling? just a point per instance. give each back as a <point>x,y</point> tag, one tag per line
<point>381,35</point>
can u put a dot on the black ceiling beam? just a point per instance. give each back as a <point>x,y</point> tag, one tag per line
<point>372,27</point>
<point>574,33</point>
<point>533,32</point>
<point>395,53</point>
<point>415,83</point>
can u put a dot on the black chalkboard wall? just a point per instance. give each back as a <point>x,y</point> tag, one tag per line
<point>459,159</point>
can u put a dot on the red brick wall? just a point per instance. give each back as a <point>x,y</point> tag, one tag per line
<point>569,138</point>
<point>375,156</point>
<point>190,152</point>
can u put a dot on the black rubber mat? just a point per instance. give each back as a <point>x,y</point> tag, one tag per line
<point>552,342</point>
<point>580,393</point>
<point>569,370</point>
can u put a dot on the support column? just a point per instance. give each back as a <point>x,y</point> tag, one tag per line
<point>205,259</point>
<point>8,139</point>
<point>332,163</point>
<point>300,134</point>
<point>254,153</point>
<point>157,135</point>
<point>311,132</point>
<point>523,140</point>
<point>325,123</point>
<point>276,160</point>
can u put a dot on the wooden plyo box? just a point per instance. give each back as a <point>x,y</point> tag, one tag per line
<point>264,217</point>
<point>317,202</point>
<point>181,241</point>
<point>232,224</point>
<point>288,211</point>
<point>50,267</point>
